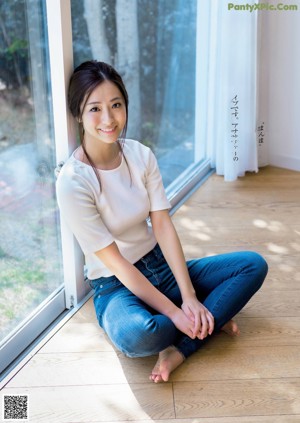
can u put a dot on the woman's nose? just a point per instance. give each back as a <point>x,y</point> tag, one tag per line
<point>107,116</point>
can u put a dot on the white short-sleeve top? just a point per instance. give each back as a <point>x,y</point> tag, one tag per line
<point>119,211</point>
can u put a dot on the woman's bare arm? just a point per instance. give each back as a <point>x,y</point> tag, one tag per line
<point>139,285</point>
<point>167,238</point>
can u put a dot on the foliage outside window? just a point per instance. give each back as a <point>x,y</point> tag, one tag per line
<point>30,259</point>
<point>153,45</point>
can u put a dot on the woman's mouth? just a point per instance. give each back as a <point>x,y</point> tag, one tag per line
<point>108,131</point>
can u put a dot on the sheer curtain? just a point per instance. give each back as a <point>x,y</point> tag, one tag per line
<point>234,134</point>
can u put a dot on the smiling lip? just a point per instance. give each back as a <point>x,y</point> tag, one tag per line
<point>108,131</point>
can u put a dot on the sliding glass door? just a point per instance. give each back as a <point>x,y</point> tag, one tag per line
<point>31,277</point>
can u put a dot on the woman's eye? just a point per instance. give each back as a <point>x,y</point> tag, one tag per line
<point>95,109</point>
<point>117,105</point>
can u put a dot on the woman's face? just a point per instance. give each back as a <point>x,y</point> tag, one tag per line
<point>104,115</point>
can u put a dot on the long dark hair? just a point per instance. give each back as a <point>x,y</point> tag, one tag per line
<point>85,78</point>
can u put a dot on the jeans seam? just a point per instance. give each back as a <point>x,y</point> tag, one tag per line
<point>155,274</point>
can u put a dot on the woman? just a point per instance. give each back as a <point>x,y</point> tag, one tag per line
<point>148,299</point>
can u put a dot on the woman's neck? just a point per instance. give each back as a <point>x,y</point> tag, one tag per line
<point>106,158</point>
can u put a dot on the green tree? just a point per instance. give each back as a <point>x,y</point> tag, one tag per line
<point>13,44</point>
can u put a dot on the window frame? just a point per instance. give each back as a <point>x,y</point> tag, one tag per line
<point>61,67</point>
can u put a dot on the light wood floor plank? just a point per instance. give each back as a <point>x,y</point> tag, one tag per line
<point>212,362</point>
<point>237,398</point>
<point>91,336</point>
<point>90,368</point>
<point>237,362</point>
<point>274,304</point>
<point>265,332</point>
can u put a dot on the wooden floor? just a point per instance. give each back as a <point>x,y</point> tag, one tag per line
<point>78,377</point>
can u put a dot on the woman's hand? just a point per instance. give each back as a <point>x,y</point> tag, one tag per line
<point>166,235</point>
<point>183,323</point>
<point>202,318</point>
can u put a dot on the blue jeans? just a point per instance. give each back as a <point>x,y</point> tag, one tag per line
<point>223,283</point>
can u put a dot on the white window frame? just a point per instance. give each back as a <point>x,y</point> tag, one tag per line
<point>61,66</point>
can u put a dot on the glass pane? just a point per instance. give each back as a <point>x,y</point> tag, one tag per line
<point>153,45</point>
<point>30,252</point>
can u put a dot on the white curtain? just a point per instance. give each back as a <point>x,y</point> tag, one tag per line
<point>234,133</point>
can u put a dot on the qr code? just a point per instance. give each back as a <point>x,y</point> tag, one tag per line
<point>15,408</point>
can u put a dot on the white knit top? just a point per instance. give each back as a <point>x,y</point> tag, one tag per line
<point>118,211</point>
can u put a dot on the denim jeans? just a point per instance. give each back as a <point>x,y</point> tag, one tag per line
<point>223,283</point>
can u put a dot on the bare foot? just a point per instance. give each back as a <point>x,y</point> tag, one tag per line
<point>231,328</point>
<point>168,360</point>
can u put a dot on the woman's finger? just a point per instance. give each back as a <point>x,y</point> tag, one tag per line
<point>211,323</point>
<point>204,326</point>
<point>197,324</point>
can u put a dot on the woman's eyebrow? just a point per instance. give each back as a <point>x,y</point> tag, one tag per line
<point>99,102</point>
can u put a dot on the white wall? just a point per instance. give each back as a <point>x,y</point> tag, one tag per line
<point>279,85</point>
